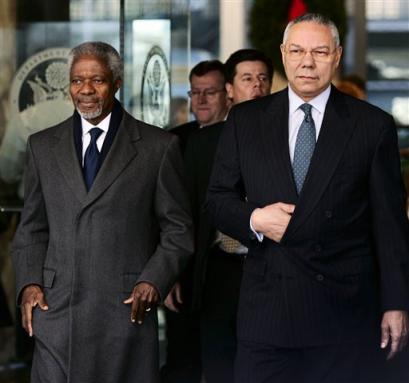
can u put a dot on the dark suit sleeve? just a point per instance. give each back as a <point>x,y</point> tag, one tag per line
<point>30,242</point>
<point>226,198</point>
<point>390,223</point>
<point>175,224</point>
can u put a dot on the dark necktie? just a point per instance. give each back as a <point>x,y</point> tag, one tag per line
<point>91,158</point>
<point>304,147</point>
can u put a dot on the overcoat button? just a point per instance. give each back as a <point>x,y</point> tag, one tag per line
<point>320,277</point>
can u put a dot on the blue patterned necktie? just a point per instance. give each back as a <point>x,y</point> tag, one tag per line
<point>91,158</point>
<point>304,147</point>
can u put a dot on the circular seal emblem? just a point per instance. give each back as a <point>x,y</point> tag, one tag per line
<point>40,91</point>
<point>155,92</point>
<point>39,98</point>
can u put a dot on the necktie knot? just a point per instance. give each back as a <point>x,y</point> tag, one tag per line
<point>95,133</point>
<point>306,108</point>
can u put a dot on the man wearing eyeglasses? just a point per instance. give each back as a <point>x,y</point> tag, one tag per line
<point>218,258</point>
<point>208,101</point>
<point>209,104</point>
<point>309,180</point>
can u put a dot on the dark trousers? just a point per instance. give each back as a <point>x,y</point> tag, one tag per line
<point>218,320</point>
<point>344,363</point>
<point>183,364</point>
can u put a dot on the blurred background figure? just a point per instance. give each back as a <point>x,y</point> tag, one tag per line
<point>354,85</point>
<point>209,104</point>
<point>213,281</point>
<point>208,100</point>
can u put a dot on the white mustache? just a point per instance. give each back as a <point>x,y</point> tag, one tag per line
<point>86,100</point>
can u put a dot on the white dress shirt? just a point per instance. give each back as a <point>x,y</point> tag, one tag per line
<point>86,137</point>
<point>296,115</point>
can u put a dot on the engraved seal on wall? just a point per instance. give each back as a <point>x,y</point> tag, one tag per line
<point>155,92</point>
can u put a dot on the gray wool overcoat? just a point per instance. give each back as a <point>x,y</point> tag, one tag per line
<point>89,249</point>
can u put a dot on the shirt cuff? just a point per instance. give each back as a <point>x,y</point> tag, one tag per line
<point>259,236</point>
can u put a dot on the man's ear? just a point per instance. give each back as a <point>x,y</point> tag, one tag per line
<point>117,85</point>
<point>229,90</point>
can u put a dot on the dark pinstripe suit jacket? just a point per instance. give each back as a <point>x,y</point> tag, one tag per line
<point>344,256</point>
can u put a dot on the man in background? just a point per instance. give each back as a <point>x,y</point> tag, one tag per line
<point>209,104</point>
<point>208,101</point>
<point>218,259</point>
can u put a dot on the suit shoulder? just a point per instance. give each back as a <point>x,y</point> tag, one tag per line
<point>365,109</point>
<point>206,135</point>
<point>47,133</point>
<point>184,128</point>
<point>263,103</point>
<point>209,130</point>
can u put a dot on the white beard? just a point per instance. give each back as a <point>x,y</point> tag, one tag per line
<point>91,115</point>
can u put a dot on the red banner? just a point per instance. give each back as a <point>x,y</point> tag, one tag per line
<point>297,8</point>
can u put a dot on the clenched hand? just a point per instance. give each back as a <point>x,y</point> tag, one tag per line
<point>272,220</point>
<point>174,299</point>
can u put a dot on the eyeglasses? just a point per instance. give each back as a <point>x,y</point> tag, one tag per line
<point>208,93</point>
<point>319,55</point>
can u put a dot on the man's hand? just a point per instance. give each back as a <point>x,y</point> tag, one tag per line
<point>272,220</point>
<point>395,327</point>
<point>31,297</point>
<point>174,298</point>
<point>143,298</point>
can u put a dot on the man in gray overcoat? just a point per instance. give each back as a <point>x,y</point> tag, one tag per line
<point>104,233</point>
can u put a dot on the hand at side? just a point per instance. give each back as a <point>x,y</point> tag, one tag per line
<point>143,298</point>
<point>395,330</point>
<point>31,297</point>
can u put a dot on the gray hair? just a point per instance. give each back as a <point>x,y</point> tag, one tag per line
<point>314,18</point>
<point>101,50</point>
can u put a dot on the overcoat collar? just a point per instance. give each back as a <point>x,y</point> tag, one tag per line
<point>118,150</point>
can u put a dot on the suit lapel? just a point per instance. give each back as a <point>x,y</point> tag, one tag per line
<point>274,134</point>
<point>122,151</point>
<point>65,154</point>
<point>336,129</point>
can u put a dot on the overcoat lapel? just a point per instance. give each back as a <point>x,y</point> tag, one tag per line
<point>122,151</point>
<point>66,157</point>
<point>274,133</point>
<point>337,127</point>
<point>120,154</point>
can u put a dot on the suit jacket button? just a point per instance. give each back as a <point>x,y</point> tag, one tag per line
<point>328,213</point>
<point>319,277</point>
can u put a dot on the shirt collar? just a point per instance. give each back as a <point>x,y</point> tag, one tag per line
<point>87,126</point>
<point>319,103</point>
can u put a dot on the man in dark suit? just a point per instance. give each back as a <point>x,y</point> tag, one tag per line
<point>208,101</point>
<point>218,259</point>
<point>104,232</point>
<point>316,194</point>
<point>209,104</point>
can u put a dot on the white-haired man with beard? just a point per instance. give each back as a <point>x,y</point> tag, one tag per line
<point>104,232</point>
